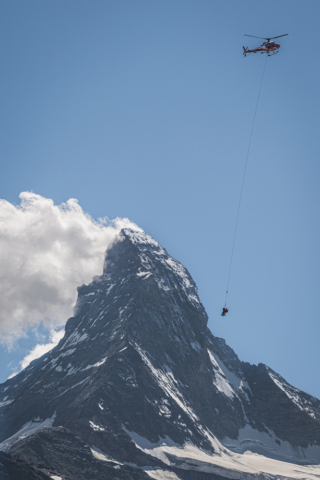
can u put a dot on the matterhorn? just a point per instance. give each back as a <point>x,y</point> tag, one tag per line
<point>140,388</point>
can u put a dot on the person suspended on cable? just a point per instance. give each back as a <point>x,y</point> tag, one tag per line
<point>224,311</point>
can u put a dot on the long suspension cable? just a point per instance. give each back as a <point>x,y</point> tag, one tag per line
<point>243,179</point>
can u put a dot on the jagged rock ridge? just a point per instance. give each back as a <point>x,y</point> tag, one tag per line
<point>138,368</point>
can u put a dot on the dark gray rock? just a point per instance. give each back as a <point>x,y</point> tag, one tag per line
<point>59,452</point>
<point>12,468</point>
<point>292,416</point>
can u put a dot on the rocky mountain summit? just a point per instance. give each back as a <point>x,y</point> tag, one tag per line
<point>139,387</point>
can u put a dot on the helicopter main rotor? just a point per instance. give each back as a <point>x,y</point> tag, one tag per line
<point>264,38</point>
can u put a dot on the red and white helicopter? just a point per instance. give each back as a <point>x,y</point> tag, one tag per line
<point>268,47</point>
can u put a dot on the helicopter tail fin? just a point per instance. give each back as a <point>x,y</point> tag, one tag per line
<point>245,51</point>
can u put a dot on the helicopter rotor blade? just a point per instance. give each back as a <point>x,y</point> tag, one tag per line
<point>278,36</point>
<point>263,38</point>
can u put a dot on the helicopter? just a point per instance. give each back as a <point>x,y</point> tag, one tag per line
<point>268,47</point>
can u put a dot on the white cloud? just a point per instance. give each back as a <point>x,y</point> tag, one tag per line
<point>41,349</point>
<point>46,251</point>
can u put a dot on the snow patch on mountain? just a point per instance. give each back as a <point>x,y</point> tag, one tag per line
<point>75,338</point>
<point>141,238</point>
<point>168,383</point>
<point>28,429</point>
<point>220,379</point>
<point>293,393</point>
<point>266,443</point>
<point>68,352</point>
<point>143,274</point>
<point>96,427</point>
<point>98,364</point>
<point>226,381</point>
<point>5,402</point>
<point>73,386</point>
<point>247,466</point>
<point>160,474</point>
<point>102,456</point>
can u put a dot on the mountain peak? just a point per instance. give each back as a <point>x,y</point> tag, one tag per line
<point>137,253</point>
<point>139,237</point>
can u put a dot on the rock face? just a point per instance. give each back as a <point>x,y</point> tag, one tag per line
<point>68,456</point>
<point>12,468</point>
<point>138,375</point>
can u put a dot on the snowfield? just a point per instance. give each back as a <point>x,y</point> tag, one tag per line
<point>246,466</point>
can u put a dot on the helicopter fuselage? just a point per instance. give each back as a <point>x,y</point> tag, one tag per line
<point>265,47</point>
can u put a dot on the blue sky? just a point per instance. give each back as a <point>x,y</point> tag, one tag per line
<point>143,110</point>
